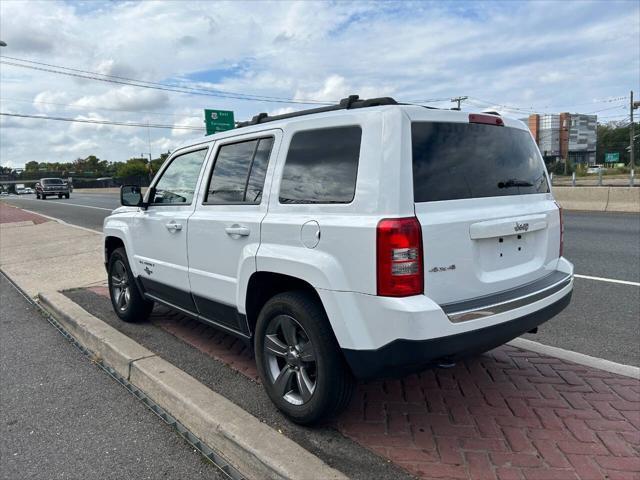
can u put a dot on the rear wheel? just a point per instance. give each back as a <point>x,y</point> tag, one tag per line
<point>299,360</point>
<point>126,299</point>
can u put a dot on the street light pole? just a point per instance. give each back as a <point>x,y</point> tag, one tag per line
<point>632,107</point>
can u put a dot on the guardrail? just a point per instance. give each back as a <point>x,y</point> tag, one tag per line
<point>595,180</point>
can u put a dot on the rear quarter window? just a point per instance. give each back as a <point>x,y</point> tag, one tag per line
<point>322,166</point>
<point>454,161</point>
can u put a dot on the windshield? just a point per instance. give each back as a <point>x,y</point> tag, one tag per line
<point>52,181</point>
<point>453,161</point>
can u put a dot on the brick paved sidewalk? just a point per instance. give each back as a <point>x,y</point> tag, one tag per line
<point>10,214</point>
<point>508,414</point>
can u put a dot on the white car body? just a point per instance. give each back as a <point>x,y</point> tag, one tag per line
<point>331,248</point>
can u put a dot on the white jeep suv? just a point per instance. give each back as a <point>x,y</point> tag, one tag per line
<point>360,240</point>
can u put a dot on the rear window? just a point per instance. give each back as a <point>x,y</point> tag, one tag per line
<point>52,181</point>
<point>453,161</point>
<point>321,166</point>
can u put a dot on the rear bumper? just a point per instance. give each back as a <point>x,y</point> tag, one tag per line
<point>406,356</point>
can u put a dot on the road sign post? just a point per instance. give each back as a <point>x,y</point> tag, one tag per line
<point>218,121</point>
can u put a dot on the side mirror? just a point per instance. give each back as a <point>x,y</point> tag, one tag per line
<point>131,195</point>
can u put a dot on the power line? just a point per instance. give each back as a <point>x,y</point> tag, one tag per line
<point>97,108</point>
<point>209,90</point>
<point>608,108</point>
<point>480,102</point>
<point>103,122</point>
<point>150,85</point>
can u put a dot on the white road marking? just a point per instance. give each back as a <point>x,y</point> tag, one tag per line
<point>73,204</point>
<point>610,280</point>
<point>575,357</point>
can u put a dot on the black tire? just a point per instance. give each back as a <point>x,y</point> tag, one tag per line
<point>43,196</point>
<point>333,382</point>
<point>66,195</point>
<point>59,195</point>
<point>136,308</point>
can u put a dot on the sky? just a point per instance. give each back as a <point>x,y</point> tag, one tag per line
<point>514,57</point>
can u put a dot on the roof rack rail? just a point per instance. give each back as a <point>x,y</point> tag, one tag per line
<point>352,101</point>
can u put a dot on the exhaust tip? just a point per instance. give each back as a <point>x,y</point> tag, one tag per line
<point>446,364</point>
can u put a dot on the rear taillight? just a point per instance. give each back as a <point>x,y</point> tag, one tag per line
<point>561,251</point>
<point>399,255</point>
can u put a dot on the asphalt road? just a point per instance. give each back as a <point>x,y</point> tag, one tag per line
<point>84,209</point>
<point>603,319</point>
<point>604,244</point>
<point>63,417</point>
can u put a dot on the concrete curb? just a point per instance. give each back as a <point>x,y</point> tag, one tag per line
<point>254,448</point>
<point>575,357</point>
<point>598,199</point>
<point>108,344</point>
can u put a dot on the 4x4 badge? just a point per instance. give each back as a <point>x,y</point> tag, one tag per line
<point>442,269</point>
<point>521,226</point>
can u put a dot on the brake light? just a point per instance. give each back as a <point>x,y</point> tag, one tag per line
<point>399,257</point>
<point>561,230</point>
<point>486,119</point>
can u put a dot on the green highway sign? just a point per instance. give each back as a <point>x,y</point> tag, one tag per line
<point>611,157</point>
<point>218,121</point>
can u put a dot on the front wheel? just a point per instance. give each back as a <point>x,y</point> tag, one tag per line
<point>43,196</point>
<point>126,299</point>
<point>66,195</point>
<point>299,360</point>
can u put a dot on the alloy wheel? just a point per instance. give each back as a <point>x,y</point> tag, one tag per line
<point>290,360</point>
<point>120,286</point>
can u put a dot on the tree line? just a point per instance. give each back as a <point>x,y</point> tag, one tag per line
<point>89,167</point>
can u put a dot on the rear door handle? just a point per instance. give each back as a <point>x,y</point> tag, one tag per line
<point>238,230</point>
<point>173,226</point>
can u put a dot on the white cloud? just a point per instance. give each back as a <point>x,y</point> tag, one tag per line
<point>87,127</point>
<point>127,98</point>
<point>524,54</point>
<point>187,122</point>
<point>82,148</point>
<point>46,101</point>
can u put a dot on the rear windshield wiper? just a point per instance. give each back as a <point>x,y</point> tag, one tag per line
<point>514,182</point>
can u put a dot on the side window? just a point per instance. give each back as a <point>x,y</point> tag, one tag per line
<point>239,171</point>
<point>177,184</point>
<point>322,166</point>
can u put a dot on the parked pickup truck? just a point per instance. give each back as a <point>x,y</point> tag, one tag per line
<point>363,239</point>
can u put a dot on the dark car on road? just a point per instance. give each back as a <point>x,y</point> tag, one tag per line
<point>48,187</point>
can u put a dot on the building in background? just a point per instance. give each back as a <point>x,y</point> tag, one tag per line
<point>562,136</point>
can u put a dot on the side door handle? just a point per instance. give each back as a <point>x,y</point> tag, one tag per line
<point>172,226</point>
<point>237,231</point>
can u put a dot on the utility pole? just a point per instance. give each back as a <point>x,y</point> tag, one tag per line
<point>459,100</point>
